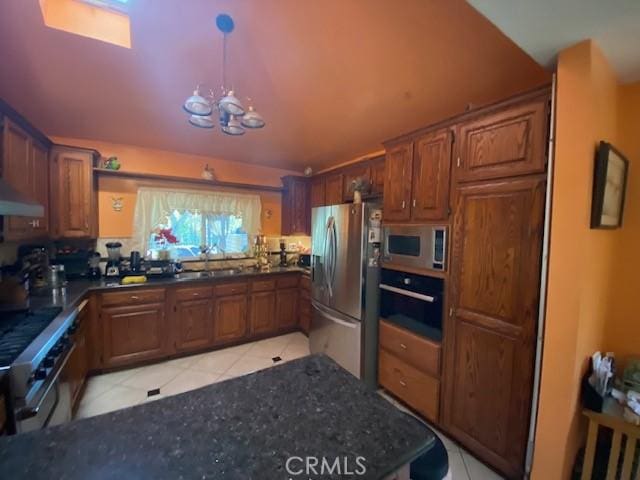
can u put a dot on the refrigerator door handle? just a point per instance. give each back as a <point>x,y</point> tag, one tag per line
<point>333,318</point>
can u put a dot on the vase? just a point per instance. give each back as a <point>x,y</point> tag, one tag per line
<point>357,196</point>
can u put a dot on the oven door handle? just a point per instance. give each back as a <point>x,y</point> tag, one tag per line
<point>408,293</point>
<point>28,411</point>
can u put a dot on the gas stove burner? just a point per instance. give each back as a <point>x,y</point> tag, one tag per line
<point>18,330</point>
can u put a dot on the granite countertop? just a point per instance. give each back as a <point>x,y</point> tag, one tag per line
<point>243,428</point>
<point>77,289</point>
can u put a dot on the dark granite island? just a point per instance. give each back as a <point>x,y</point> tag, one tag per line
<point>243,428</point>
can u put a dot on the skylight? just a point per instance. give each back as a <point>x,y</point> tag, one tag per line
<point>104,20</point>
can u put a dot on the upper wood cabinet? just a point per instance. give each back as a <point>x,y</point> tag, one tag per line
<point>503,143</point>
<point>74,193</point>
<point>296,213</point>
<point>25,167</point>
<point>377,176</point>
<point>317,192</point>
<point>430,185</point>
<point>397,184</point>
<point>333,189</point>
<point>358,170</point>
<point>490,334</point>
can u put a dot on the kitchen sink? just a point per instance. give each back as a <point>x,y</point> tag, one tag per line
<point>209,273</point>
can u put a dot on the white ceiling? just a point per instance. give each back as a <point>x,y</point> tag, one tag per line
<point>544,27</point>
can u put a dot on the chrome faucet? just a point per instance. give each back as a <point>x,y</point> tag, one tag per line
<point>204,252</point>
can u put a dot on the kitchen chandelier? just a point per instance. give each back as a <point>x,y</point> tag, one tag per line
<point>232,115</point>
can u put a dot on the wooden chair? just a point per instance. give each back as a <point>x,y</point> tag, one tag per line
<point>611,417</point>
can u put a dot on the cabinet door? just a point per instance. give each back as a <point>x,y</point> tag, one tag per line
<point>503,144</point>
<point>40,162</point>
<point>333,189</point>
<point>287,308</point>
<point>193,324</point>
<point>377,177</point>
<point>17,166</point>
<point>431,166</point>
<point>133,333</point>
<point>317,192</point>
<point>262,312</point>
<point>490,335</point>
<point>397,183</point>
<point>296,214</point>
<point>230,318</point>
<point>74,194</point>
<point>352,173</point>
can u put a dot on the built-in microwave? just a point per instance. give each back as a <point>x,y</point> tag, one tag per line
<point>417,246</point>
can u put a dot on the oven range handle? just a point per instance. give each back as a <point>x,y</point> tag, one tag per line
<point>408,293</point>
<point>28,412</point>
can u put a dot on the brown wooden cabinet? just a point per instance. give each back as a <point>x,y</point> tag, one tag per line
<point>74,193</point>
<point>358,170</point>
<point>333,193</point>
<point>503,143</point>
<point>262,312</point>
<point>430,184</point>
<point>133,333</point>
<point>77,366</point>
<point>230,318</point>
<point>287,308</point>
<point>490,335</point>
<point>397,184</point>
<point>305,304</point>
<point>296,212</point>
<point>193,324</point>
<point>317,192</point>
<point>25,167</point>
<point>377,176</point>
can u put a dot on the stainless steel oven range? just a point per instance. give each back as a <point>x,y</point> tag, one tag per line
<point>34,347</point>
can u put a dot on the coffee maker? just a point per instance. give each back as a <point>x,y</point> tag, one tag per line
<point>113,262</point>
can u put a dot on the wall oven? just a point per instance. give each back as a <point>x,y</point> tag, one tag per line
<point>416,246</point>
<point>413,302</point>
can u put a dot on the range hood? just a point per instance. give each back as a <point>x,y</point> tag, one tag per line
<point>15,203</point>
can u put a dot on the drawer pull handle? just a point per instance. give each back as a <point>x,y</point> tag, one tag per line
<point>403,346</point>
<point>134,297</point>
<point>402,383</point>
<point>195,294</point>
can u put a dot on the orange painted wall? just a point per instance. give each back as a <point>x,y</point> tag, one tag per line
<point>623,329</point>
<point>580,261</point>
<point>145,160</point>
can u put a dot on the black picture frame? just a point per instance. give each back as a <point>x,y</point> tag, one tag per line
<point>609,187</point>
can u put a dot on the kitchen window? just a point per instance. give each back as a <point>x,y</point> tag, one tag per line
<point>179,221</point>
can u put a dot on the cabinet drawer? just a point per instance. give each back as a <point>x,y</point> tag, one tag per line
<point>288,281</point>
<point>230,289</point>
<point>419,352</point>
<point>193,293</point>
<point>133,296</point>
<point>263,285</point>
<point>418,390</point>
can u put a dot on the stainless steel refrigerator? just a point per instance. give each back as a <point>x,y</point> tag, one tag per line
<point>345,274</point>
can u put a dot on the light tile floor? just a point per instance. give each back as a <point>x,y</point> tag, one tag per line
<point>113,391</point>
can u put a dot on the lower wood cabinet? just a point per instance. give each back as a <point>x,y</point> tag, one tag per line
<point>230,318</point>
<point>133,333</point>
<point>77,367</point>
<point>193,324</point>
<point>287,308</point>
<point>262,312</point>
<point>417,389</point>
<point>305,304</point>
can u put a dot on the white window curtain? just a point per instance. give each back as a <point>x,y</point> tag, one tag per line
<point>154,205</point>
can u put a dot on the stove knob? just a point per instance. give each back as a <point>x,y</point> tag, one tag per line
<point>40,373</point>
<point>49,362</point>
<point>56,350</point>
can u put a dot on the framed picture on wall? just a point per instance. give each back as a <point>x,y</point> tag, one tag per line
<point>609,187</point>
